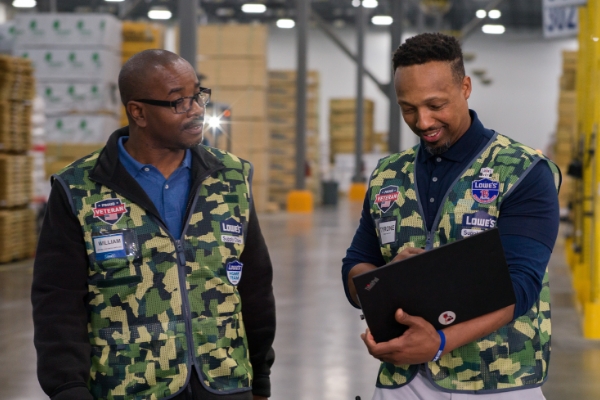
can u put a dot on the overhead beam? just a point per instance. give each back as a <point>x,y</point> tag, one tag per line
<point>187,11</point>
<point>302,15</point>
<point>475,23</point>
<point>322,24</point>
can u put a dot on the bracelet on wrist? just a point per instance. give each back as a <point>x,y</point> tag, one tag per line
<point>442,345</point>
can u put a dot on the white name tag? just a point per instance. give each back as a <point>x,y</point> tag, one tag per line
<point>231,239</point>
<point>387,232</point>
<point>109,246</point>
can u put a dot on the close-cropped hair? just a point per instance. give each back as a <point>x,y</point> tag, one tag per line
<point>428,47</point>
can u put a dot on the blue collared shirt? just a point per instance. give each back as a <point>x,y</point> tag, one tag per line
<point>169,196</point>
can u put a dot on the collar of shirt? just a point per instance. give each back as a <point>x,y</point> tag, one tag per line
<point>134,167</point>
<point>464,146</point>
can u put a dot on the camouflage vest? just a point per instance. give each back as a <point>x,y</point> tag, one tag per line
<point>147,331</point>
<point>517,354</point>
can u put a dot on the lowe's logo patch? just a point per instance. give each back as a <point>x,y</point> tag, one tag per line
<point>386,198</point>
<point>485,190</point>
<point>231,231</point>
<point>476,223</point>
<point>234,272</point>
<point>109,211</point>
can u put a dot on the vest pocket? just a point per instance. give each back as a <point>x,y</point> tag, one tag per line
<point>222,350</point>
<point>145,361</point>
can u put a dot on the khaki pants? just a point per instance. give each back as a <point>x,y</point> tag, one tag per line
<point>421,389</point>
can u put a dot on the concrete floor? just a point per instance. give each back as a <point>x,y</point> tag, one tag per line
<point>319,351</point>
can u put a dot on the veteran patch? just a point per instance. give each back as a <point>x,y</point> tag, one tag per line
<point>231,231</point>
<point>476,223</point>
<point>485,190</point>
<point>386,198</point>
<point>234,272</point>
<point>109,211</point>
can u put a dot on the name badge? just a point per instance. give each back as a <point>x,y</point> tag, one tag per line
<point>387,231</point>
<point>109,246</point>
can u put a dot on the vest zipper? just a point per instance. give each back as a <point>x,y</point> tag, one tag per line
<point>185,301</point>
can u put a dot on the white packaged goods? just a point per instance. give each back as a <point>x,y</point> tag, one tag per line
<point>7,37</point>
<point>80,128</point>
<point>68,30</point>
<point>73,65</point>
<point>75,97</point>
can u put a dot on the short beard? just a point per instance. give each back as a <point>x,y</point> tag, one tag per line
<point>436,151</point>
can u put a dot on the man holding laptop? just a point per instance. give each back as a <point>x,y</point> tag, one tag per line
<point>460,180</point>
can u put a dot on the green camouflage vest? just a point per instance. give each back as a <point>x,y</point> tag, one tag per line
<point>146,332</point>
<point>517,354</point>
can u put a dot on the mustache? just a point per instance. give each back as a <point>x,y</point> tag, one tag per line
<point>195,122</point>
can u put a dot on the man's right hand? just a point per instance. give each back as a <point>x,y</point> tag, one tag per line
<point>364,267</point>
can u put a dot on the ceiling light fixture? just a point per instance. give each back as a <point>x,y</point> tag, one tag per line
<point>493,29</point>
<point>370,3</point>
<point>382,20</point>
<point>355,3</point>
<point>252,8</point>
<point>114,1</point>
<point>24,3</point>
<point>494,14</point>
<point>285,23</point>
<point>481,14</point>
<point>159,13</point>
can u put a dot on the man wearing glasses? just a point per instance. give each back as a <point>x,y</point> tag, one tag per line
<point>148,250</point>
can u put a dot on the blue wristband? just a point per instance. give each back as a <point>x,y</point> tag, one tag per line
<point>442,345</point>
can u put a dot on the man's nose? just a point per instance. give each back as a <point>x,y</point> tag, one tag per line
<point>425,121</point>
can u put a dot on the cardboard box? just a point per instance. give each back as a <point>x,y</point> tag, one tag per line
<point>68,30</point>
<point>287,104</point>
<point>70,151</point>
<point>348,105</point>
<point>248,137</point>
<point>16,180</point>
<point>288,76</point>
<point>260,161</point>
<point>139,36</point>
<point>18,236</point>
<point>290,89</point>
<point>233,40</point>
<point>285,121</point>
<point>235,73</point>
<point>81,128</point>
<point>246,102</point>
<point>83,65</point>
<point>75,97</point>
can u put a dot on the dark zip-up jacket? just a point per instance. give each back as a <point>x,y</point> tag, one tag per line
<point>60,288</point>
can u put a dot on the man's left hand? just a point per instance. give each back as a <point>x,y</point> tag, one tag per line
<point>417,345</point>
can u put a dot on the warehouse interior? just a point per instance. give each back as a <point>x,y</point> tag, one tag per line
<point>301,89</point>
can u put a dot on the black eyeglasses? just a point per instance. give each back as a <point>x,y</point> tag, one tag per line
<point>180,106</point>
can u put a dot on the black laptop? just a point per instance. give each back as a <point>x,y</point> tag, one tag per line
<point>446,285</point>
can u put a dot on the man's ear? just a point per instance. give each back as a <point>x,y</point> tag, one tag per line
<point>137,113</point>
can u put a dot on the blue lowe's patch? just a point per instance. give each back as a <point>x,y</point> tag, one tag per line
<point>476,223</point>
<point>386,198</point>
<point>234,272</point>
<point>231,227</point>
<point>485,190</point>
<point>109,211</point>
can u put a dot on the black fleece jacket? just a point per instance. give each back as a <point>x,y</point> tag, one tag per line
<point>59,289</point>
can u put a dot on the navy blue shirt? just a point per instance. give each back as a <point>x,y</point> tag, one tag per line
<point>168,195</point>
<point>528,220</point>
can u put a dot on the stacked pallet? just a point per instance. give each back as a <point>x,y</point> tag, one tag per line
<point>233,60</point>
<point>17,220</point>
<point>342,126</point>
<point>564,144</point>
<point>281,103</point>
<point>139,36</point>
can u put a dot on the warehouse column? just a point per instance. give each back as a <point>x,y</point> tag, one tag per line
<point>188,30</point>
<point>359,187</point>
<point>301,200</point>
<point>394,131</point>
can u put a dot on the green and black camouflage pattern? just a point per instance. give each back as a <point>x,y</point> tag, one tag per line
<point>517,354</point>
<point>146,330</point>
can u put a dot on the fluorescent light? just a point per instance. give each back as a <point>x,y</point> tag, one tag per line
<point>494,14</point>
<point>24,3</point>
<point>481,14</point>
<point>214,122</point>
<point>370,3</point>
<point>254,8</point>
<point>382,20</point>
<point>285,23</point>
<point>355,3</point>
<point>493,29</point>
<point>114,1</point>
<point>159,13</point>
